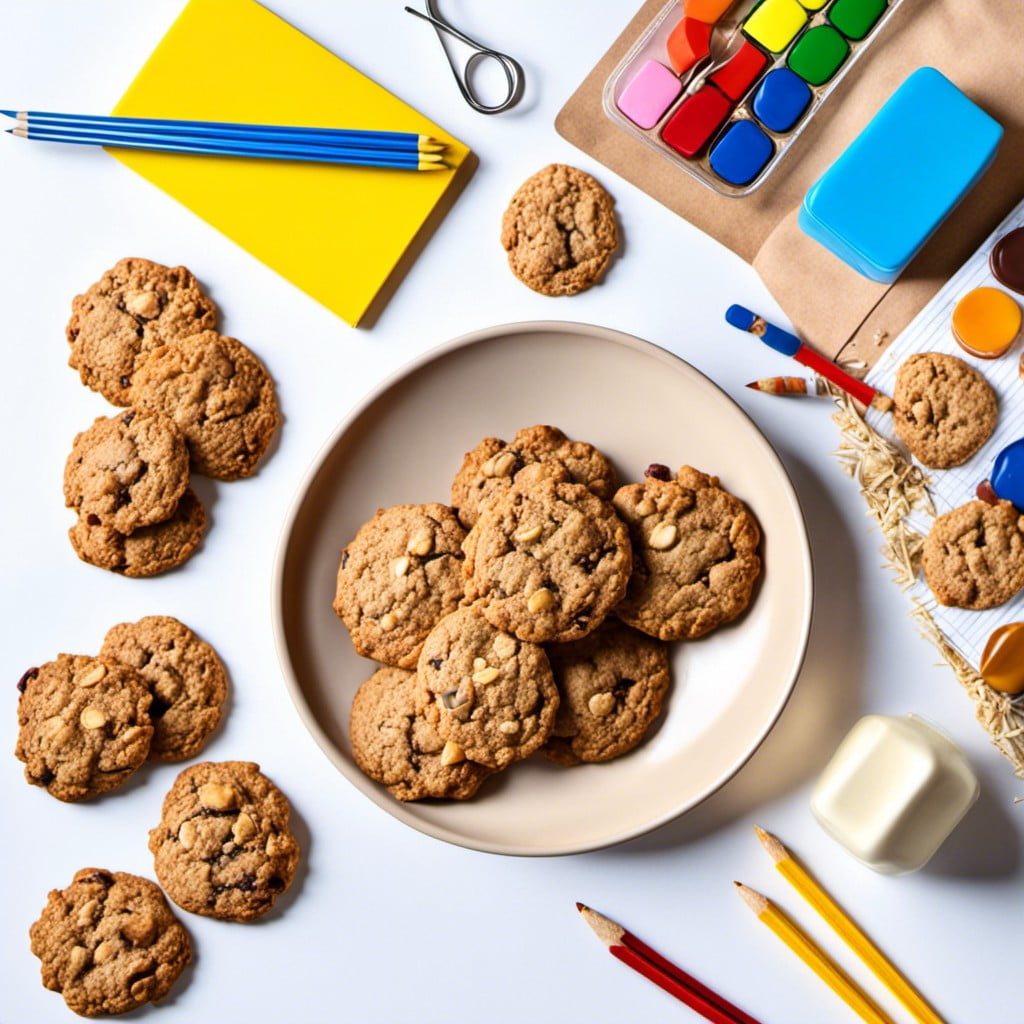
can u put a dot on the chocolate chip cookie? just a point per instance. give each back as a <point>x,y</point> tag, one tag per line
<point>127,471</point>
<point>220,396</point>
<point>547,562</point>
<point>83,725</point>
<point>109,943</point>
<point>559,231</point>
<point>223,847</point>
<point>399,576</point>
<point>612,685</point>
<point>184,675</point>
<point>148,551</point>
<point>494,465</point>
<point>491,696</point>
<point>396,745</point>
<point>973,556</point>
<point>136,306</point>
<point>695,555</point>
<point>944,409</point>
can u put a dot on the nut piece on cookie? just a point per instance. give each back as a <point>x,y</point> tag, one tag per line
<point>493,466</point>
<point>398,577</point>
<point>109,943</point>
<point>219,395</point>
<point>695,549</point>
<point>83,725</point>
<point>127,471</point>
<point>973,556</point>
<point>136,306</point>
<point>184,675</point>
<point>612,685</point>
<point>223,847</point>
<point>490,696</point>
<point>559,231</point>
<point>944,411</point>
<point>394,743</point>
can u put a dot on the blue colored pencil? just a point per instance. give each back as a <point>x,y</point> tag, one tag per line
<point>265,150</point>
<point>348,137</point>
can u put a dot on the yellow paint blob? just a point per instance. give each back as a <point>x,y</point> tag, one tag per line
<point>775,23</point>
<point>986,321</point>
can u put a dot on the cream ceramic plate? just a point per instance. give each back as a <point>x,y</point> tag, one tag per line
<point>639,404</point>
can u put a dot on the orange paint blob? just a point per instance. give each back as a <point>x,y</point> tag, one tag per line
<point>1002,661</point>
<point>708,11</point>
<point>689,43</point>
<point>986,321</point>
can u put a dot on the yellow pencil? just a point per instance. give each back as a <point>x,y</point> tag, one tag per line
<point>847,930</point>
<point>814,956</point>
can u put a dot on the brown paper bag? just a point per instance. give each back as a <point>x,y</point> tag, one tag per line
<point>978,45</point>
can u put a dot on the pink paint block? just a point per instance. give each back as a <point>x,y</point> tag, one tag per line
<point>649,94</point>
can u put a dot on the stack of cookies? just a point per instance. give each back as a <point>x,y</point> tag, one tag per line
<point>534,613</point>
<point>143,336</point>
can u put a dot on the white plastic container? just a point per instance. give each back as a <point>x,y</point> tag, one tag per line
<point>893,791</point>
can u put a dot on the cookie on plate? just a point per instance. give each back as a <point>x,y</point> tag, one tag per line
<point>547,561</point>
<point>696,558</point>
<point>394,743</point>
<point>109,943</point>
<point>612,685</point>
<point>559,231</point>
<point>223,847</point>
<point>491,696</point>
<point>973,556</point>
<point>136,306</point>
<point>127,471</point>
<point>148,551</point>
<point>398,577</point>
<point>184,675</point>
<point>494,465</point>
<point>944,409</point>
<point>220,396</point>
<point>83,725</point>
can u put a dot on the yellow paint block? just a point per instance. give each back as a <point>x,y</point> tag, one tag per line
<point>336,232</point>
<point>775,23</point>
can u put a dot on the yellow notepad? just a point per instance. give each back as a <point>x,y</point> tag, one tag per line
<point>336,232</point>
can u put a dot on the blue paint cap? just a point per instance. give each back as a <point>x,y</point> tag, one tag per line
<point>780,100</point>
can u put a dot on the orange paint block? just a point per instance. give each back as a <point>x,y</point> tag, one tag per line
<point>986,322</point>
<point>1002,661</point>
<point>708,11</point>
<point>689,43</point>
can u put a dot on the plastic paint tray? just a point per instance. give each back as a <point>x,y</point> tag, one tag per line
<point>652,46</point>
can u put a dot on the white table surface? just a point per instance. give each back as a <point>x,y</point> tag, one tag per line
<point>383,923</point>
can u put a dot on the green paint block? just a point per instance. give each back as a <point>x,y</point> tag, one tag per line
<point>855,18</point>
<point>818,54</point>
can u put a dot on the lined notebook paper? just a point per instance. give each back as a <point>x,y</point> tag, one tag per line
<point>930,332</point>
<point>336,232</point>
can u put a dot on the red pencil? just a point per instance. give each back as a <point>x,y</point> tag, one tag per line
<point>652,965</point>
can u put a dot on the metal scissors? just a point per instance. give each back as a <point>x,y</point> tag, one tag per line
<point>514,75</point>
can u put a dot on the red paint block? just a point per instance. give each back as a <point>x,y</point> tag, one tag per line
<point>736,76</point>
<point>689,43</point>
<point>698,118</point>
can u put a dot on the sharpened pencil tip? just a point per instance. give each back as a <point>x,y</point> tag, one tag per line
<point>756,386</point>
<point>581,906</point>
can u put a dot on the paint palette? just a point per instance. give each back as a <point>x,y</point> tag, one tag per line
<point>724,89</point>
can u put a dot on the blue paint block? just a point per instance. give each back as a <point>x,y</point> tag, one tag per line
<point>878,204</point>
<point>781,99</point>
<point>740,155</point>
<point>1008,474</point>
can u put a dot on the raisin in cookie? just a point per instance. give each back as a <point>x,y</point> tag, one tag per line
<point>127,471</point>
<point>109,943</point>
<point>559,231</point>
<point>399,576</point>
<point>944,409</point>
<point>547,562</point>
<point>695,555</point>
<point>494,465</point>
<point>83,725</point>
<point>397,746</point>
<point>612,685</point>
<point>491,696</point>
<point>223,847</point>
<point>220,396</point>
<point>148,551</point>
<point>184,675</point>
<point>973,556</point>
<point>136,306</point>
